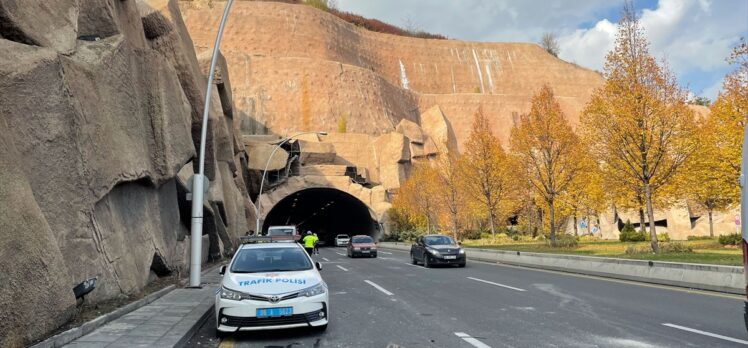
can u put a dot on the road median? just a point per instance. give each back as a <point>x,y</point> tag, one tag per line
<point>728,279</point>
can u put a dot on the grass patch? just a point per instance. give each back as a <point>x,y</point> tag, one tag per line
<point>703,251</point>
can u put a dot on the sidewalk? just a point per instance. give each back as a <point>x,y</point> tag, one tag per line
<point>166,322</point>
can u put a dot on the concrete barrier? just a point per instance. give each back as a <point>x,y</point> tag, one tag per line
<point>728,279</point>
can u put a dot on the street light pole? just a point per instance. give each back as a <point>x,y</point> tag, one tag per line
<point>264,174</point>
<point>196,231</point>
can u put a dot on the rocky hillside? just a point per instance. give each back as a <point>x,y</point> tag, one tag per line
<point>99,104</point>
<point>295,67</point>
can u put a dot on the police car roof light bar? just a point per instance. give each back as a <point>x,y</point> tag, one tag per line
<point>268,239</point>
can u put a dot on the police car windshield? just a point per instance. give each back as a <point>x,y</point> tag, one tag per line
<point>271,260</point>
<point>362,240</point>
<point>438,240</point>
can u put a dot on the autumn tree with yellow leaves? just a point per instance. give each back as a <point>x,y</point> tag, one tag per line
<point>447,188</point>
<point>638,125</point>
<point>712,173</point>
<point>417,196</point>
<point>486,172</point>
<point>548,151</point>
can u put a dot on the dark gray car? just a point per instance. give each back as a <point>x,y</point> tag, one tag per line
<point>437,249</point>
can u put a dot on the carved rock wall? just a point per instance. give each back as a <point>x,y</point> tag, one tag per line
<point>99,104</point>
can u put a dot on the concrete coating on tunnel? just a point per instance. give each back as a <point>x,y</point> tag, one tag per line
<point>325,211</point>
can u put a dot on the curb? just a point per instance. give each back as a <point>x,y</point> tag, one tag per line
<point>68,336</point>
<point>724,279</point>
<point>195,328</point>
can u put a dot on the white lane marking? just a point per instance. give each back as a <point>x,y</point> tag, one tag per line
<point>343,268</point>
<point>326,259</point>
<point>384,252</point>
<point>376,286</point>
<point>473,341</point>
<point>706,333</point>
<point>497,284</point>
<point>341,254</point>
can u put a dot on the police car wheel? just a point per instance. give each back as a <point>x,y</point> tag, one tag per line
<point>426,261</point>
<point>221,334</point>
<point>320,328</point>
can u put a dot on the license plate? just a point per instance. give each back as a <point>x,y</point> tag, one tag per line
<point>274,312</point>
<point>365,251</point>
<point>450,257</point>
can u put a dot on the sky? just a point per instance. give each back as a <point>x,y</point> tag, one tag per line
<point>693,36</point>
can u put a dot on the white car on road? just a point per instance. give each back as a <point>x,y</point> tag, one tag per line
<point>342,240</point>
<point>271,285</point>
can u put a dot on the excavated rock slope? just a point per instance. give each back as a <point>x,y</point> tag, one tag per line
<point>99,104</point>
<point>295,67</point>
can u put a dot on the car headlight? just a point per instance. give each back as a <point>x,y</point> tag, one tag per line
<point>229,294</point>
<point>435,252</point>
<point>462,251</point>
<point>318,289</point>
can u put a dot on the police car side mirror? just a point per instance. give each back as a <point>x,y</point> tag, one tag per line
<point>318,265</point>
<point>222,270</point>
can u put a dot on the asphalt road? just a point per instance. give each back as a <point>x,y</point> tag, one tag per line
<point>386,302</point>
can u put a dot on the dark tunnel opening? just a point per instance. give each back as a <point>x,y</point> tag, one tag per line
<point>325,211</point>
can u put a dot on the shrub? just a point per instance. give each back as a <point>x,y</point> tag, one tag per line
<point>401,236</point>
<point>629,234</point>
<point>676,247</point>
<point>666,247</point>
<point>633,249</point>
<point>730,239</point>
<point>699,238</point>
<point>588,238</point>
<point>663,237</point>
<point>563,241</point>
<point>471,234</point>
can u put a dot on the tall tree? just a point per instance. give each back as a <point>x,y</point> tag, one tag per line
<point>707,179</point>
<point>729,112</point>
<point>586,194</point>
<point>448,188</point>
<point>485,170</point>
<point>549,43</point>
<point>713,172</point>
<point>638,125</point>
<point>548,151</point>
<point>417,195</point>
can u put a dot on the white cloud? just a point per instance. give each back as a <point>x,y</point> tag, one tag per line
<point>588,47</point>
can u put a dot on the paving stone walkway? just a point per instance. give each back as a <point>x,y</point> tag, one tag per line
<point>166,322</point>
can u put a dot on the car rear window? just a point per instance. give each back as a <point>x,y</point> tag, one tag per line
<point>281,232</point>
<point>362,240</point>
<point>270,260</point>
<point>342,236</point>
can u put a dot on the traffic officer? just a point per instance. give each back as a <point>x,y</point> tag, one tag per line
<point>309,241</point>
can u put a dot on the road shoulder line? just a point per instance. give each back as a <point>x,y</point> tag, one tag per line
<point>705,333</point>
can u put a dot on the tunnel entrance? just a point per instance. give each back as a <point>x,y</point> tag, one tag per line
<point>325,211</point>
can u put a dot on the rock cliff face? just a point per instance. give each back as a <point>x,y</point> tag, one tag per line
<point>294,67</point>
<point>99,104</point>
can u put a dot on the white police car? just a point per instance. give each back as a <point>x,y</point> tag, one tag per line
<point>271,285</point>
